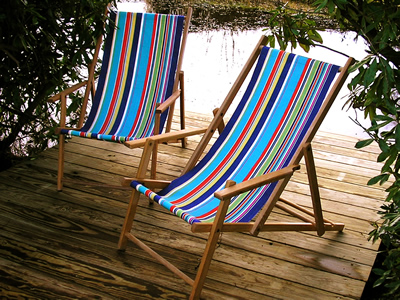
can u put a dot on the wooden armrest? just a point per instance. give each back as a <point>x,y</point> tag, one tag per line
<point>167,103</point>
<point>256,182</point>
<point>67,91</point>
<point>165,137</point>
<point>150,183</point>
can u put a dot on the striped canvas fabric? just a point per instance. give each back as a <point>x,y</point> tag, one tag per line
<point>282,99</point>
<point>138,71</point>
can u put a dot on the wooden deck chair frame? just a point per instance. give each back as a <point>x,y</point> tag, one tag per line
<point>310,220</point>
<point>89,85</point>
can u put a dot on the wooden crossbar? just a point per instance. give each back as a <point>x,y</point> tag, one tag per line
<point>302,209</point>
<point>295,213</point>
<point>161,259</point>
<point>275,226</point>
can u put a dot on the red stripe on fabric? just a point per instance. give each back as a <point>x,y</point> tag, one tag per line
<point>121,68</point>
<point>273,137</point>
<point>209,213</point>
<point>309,95</point>
<point>239,207</point>
<point>282,120</point>
<point>239,140</point>
<point>265,91</point>
<point>144,92</point>
<point>160,79</point>
<point>163,61</point>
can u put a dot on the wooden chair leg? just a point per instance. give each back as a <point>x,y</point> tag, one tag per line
<point>153,170</point>
<point>169,118</point>
<point>182,106</point>
<point>60,173</point>
<point>130,215</point>
<point>210,248</point>
<point>314,190</point>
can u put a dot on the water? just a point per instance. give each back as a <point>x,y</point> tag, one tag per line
<point>214,59</point>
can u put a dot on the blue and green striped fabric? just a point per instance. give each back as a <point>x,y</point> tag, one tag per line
<point>138,71</point>
<point>282,99</point>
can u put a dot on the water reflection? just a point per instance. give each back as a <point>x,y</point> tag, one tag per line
<point>207,16</point>
<point>228,15</point>
<point>214,58</point>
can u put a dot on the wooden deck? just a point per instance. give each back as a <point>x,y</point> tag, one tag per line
<point>62,245</point>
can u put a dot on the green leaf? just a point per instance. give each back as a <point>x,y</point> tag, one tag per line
<point>397,137</point>
<point>393,286</point>
<point>364,143</point>
<point>383,156</point>
<point>370,73</point>
<point>321,4</point>
<point>378,271</point>
<point>353,14</point>
<point>305,47</point>
<point>384,179</point>
<point>271,40</point>
<point>315,36</point>
<point>383,146</point>
<point>397,165</point>
<point>358,78</point>
<point>379,125</point>
<point>390,160</point>
<point>360,64</point>
<point>331,7</point>
<point>389,73</point>
<point>379,282</point>
<point>383,118</point>
<point>376,179</point>
<point>305,41</point>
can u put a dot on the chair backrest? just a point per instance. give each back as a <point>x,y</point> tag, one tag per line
<point>272,121</point>
<point>138,72</point>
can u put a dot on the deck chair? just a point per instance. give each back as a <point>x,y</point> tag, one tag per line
<point>139,82</point>
<point>237,183</point>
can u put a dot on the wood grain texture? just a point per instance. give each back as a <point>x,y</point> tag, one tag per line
<point>63,245</point>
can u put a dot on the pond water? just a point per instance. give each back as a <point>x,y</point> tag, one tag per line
<point>213,60</point>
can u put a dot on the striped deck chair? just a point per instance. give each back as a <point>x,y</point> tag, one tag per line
<point>235,186</point>
<point>139,81</point>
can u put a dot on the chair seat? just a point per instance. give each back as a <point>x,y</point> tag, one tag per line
<point>138,72</point>
<point>139,81</point>
<point>239,181</point>
<point>282,100</point>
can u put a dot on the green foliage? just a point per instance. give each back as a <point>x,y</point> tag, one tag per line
<point>389,232</point>
<point>288,28</point>
<point>44,44</point>
<point>375,90</point>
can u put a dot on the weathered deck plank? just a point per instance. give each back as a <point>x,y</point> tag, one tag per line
<point>63,245</point>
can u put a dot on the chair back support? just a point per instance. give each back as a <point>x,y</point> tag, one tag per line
<point>138,72</point>
<point>272,121</point>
